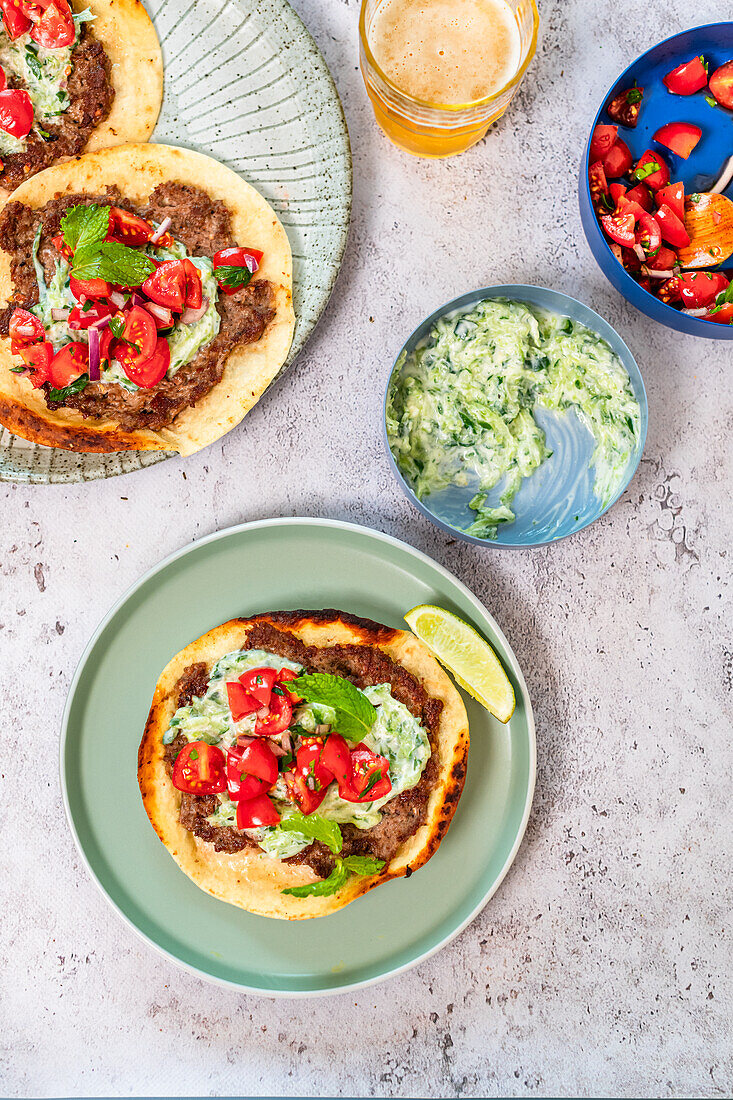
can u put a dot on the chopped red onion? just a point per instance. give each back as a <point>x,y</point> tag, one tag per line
<point>251,263</point>
<point>60,314</point>
<point>243,740</point>
<point>725,177</point>
<point>94,371</point>
<point>190,316</point>
<point>161,312</point>
<point>640,252</point>
<point>696,312</point>
<point>286,741</point>
<point>100,323</point>
<point>117,299</point>
<point>263,712</point>
<point>652,274</point>
<point>278,750</point>
<point>162,228</point>
<point>138,300</point>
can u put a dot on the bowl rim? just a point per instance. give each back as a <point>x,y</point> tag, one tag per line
<point>680,322</point>
<point>515,292</point>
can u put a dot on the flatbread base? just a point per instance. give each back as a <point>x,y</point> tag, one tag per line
<point>137,170</point>
<point>251,879</point>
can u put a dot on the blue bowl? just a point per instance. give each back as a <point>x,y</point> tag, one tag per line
<point>698,173</point>
<point>558,499</point>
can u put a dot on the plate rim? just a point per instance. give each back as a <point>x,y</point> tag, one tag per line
<point>147,458</point>
<point>379,536</point>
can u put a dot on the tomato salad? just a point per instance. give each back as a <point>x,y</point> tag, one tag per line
<point>642,210</point>
<point>276,746</point>
<point>127,304</point>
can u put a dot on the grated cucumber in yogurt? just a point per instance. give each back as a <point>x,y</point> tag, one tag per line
<point>462,406</point>
<point>41,72</point>
<point>396,735</point>
<point>184,341</point>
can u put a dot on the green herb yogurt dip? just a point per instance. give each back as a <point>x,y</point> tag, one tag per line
<point>43,73</point>
<point>464,404</point>
<point>396,735</point>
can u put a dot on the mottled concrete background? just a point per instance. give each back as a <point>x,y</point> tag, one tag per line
<point>603,966</point>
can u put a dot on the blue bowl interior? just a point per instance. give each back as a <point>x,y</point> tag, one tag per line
<point>698,173</point>
<point>558,499</point>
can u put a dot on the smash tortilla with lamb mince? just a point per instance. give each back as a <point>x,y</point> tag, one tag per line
<point>73,79</point>
<point>295,760</point>
<point>149,294</point>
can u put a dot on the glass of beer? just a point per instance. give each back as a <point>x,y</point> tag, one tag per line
<point>439,72</point>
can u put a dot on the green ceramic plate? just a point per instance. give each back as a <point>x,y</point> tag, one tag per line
<point>273,565</point>
<point>245,83</point>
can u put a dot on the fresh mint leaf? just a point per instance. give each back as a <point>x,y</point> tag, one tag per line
<point>74,387</point>
<point>315,827</point>
<point>233,276</point>
<point>331,885</point>
<point>34,65</point>
<point>374,778</point>
<point>363,865</point>
<point>355,715</point>
<point>113,262</point>
<point>634,95</point>
<point>85,227</point>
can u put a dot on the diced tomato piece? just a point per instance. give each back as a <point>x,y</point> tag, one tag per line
<point>625,107</point>
<point>240,703</point>
<point>673,230</point>
<point>673,196</point>
<point>84,318</point>
<point>336,758</point>
<point>68,364</point>
<point>3,79</point>
<point>89,288</point>
<point>663,260</point>
<point>255,812</point>
<point>251,770</point>
<point>140,330</point>
<point>723,315</point>
<point>259,682</point>
<point>721,85</point>
<point>680,137</point>
<point>55,29</point>
<point>24,328</point>
<point>167,285</point>
<point>15,20</point>
<point>278,719</point>
<point>669,290</point>
<point>308,779</point>
<point>62,247</point>
<point>602,140</point>
<point>642,195</point>
<point>127,228</point>
<point>238,257</point>
<point>16,112</point>
<point>620,228</point>
<point>617,191</point>
<point>37,357</point>
<point>618,159</point>
<point>598,184</point>
<point>627,206</point>
<point>649,234</point>
<point>700,288</point>
<point>194,291</point>
<point>630,260</point>
<point>652,170</point>
<point>687,78</point>
<point>145,372</point>
<point>371,776</point>
<point>199,769</point>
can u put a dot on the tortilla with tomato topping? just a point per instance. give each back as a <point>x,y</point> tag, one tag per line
<point>294,760</point>
<point>149,294</point>
<point>75,77</point>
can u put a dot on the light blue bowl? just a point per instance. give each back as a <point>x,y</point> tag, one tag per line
<point>558,499</point>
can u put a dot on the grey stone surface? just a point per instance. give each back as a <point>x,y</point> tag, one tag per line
<point>603,965</point>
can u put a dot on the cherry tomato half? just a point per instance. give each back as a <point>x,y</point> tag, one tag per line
<point>61,246</point>
<point>37,357</point>
<point>336,758</point>
<point>680,137</point>
<point>259,760</point>
<point>723,316</point>
<point>252,813</point>
<point>598,183</point>
<point>55,29</point>
<point>127,228</point>
<point>652,170</point>
<point>721,85</point>
<point>199,769</point>
<point>620,227</point>
<point>194,290</point>
<point>698,289</point>
<point>673,230</point>
<point>16,112</point>
<point>284,676</point>
<point>240,703</point>
<point>238,257</point>
<point>140,329</point>
<point>167,285</point>
<point>146,372</point>
<point>625,107</point>
<point>642,195</point>
<point>663,260</point>
<point>89,288</point>
<point>648,234</point>
<point>259,682</point>
<point>371,776</point>
<point>687,78</point>
<point>617,160</point>
<point>602,140</point>
<point>308,779</point>
<point>673,196</point>
<point>24,328</point>
<point>279,718</point>
<point>69,364</point>
<point>15,20</point>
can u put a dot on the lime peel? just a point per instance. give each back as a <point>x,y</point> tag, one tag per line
<point>467,656</point>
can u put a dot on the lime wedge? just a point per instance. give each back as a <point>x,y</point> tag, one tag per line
<point>466,655</point>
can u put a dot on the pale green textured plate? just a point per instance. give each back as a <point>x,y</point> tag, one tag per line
<point>245,83</point>
<point>280,565</point>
